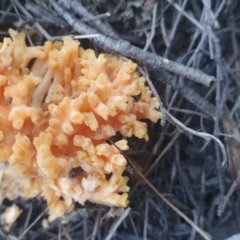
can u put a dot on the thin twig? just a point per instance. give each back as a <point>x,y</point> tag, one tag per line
<point>205,136</point>
<point>174,28</point>
<point>75,36</point>
<point>185,180</point>
<point>153,27</point>
<point>134,227</point>
<point>96,226</point>
<point>32,224</point>
<point>145,220</point>
<point>100,16</point>
<point>187,111</point>
<point>66,233</point>
<point>223,203</point>
<point>165,37</point>
<point>188,16</point>
<point>28,217</point>
<point>195,219</point>
<point>117,224</point>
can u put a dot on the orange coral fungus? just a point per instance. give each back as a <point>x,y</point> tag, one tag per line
<point>57,115</point>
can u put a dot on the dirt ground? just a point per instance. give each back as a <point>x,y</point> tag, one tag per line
<point>185,180</point>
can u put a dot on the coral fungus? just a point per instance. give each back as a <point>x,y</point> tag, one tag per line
<point>57,115</point>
